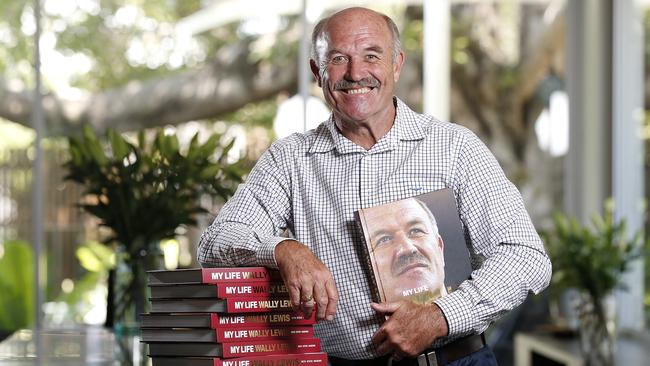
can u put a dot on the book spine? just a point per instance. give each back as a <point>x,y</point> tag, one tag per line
<point>263,333</point>
<point>371,262</point>
<point>281,318</point>
<point>249,305</point>
<point>237,274</point>
<point>258,288</point>
<point>299,345</point>
<point>314,359</point>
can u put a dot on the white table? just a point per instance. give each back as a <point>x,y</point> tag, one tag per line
<point>630,349</point>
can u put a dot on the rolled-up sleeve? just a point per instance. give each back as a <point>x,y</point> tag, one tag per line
<point>250,224</point>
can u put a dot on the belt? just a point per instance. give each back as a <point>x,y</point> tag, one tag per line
<point>431,357</point>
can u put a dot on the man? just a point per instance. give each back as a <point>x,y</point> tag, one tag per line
<point>374,150</point>
<point>408,249</point>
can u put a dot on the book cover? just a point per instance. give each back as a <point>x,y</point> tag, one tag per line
<point>291,359</point>
<point>215,320</point>
<point>233,305</point>
<point>212,275</point>
<point>219,291</point>
<point>416,247</point>
<point>235,349</point>
<point>257,332</point>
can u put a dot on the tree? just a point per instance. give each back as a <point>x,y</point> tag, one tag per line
<point>127,91</point>
<point>495,74</point>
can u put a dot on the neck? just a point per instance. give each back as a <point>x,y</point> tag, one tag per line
<point>366,133</point>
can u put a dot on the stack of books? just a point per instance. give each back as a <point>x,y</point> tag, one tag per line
<point>226,316</point>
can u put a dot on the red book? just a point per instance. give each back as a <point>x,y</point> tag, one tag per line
<point>291,359</point>
<point>235,305</point>
<point>215,321</point>
<point>235,349</point>
<point>212,275</point>
<point>264,333</point>
<point>257,332</point>
<point>220,290</point>
<point>298,345</point>
<point>287,318</point>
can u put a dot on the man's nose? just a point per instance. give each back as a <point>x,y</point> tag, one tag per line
<point>405,245</point>
<point>356,70</point>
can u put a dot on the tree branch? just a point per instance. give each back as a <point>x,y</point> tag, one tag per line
<point>223,85</point>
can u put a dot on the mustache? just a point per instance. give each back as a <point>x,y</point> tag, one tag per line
<point>406,260</point>
<point>369,82</point>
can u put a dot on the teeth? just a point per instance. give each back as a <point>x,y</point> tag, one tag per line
<point>358,91</point>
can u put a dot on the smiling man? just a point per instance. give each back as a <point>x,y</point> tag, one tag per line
<point>409,251</point>
<point>357,64</point>
<point>372,150</point>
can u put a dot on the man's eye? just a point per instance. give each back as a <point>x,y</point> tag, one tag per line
<point>338,60</point>
<point>416,232</point>
<point>372,57</point>
<point>383,240</point>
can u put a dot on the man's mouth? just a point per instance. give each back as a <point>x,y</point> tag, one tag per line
<point>357,91</point>
<point>409,261</point>
<point>411,266</point>
<point>363,86</point>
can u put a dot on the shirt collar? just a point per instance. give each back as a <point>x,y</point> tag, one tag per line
<point>407,126</point>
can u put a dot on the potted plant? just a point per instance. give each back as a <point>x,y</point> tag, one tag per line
<point>592,260</point>
<point>16,286</point>
<point>142,192</point>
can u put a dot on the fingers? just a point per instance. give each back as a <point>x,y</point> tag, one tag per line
<point>380,340</point>
<point>294,296</point>
<point>333,299</point>
<point>385,308</point>
<point>302,298</point>
<point>309,281</point>
<point>385,344</point>
<point>409,329</point>
<point>307,300</point>
<point>322,300</point>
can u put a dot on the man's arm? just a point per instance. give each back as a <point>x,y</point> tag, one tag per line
<point>501,232</point>
<point>248,230</point>
<point>250,224</point>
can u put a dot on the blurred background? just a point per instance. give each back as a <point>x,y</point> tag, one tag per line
<point>556,89</point>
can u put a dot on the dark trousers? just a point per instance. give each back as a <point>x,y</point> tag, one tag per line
<point>482,357</point>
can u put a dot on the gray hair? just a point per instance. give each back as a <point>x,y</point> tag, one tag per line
<point>319,37</point>
<point>426,209</point>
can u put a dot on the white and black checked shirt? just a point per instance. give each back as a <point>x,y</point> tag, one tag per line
<point>311,184</point>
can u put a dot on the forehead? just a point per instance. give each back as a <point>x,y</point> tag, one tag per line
<point>400,212</point>
<point>356,28</point>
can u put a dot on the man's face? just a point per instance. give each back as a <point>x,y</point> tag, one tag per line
<point>356,68</point>
<point>408,250</point>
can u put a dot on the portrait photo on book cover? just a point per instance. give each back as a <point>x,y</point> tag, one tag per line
<point>416,247</point>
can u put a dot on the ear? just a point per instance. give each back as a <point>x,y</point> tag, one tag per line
<point>316,71</point>
<point>397,65</point>
<point>441,245</point>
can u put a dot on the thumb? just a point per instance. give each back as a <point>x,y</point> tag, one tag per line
<point>385,308</point>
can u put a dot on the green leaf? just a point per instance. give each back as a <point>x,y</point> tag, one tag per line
<point>193,148</point>
<point>208,148</point>
<point>591,259</point>
<point>156,192</point>
<point>95,257</point>
<point>118,144</point>
<point>224,152</point>
<point>17,286</point>
<point>141,140</point>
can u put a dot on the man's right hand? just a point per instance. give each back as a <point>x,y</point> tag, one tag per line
<point>308,280</point>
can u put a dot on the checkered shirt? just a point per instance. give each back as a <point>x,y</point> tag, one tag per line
<point>311,184</point>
